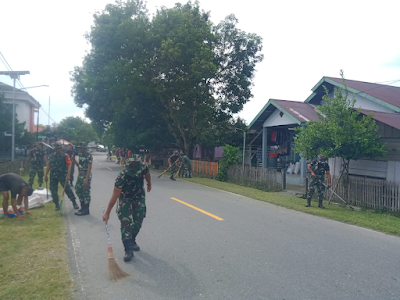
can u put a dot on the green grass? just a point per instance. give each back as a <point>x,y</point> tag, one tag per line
<point>33,257</point>
<point>380,222</point>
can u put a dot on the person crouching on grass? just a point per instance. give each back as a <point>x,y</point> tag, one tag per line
<point>128,189</point>
<point>17,185</point>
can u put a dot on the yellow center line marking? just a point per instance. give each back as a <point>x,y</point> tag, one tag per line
<point>198,209</point>
<point>109,168</point>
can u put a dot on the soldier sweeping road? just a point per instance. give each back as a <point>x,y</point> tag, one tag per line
<point>129,191</point>
<point>84,180</point>
<point>173,164</point>
<point>37,158</point>
<point>60,165</point>
<point>318,167</point>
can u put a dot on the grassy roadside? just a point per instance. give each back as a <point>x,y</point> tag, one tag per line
<point>34,259</point>
<point>380,222</point>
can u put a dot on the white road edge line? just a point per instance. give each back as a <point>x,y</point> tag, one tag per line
<point>76,244</point>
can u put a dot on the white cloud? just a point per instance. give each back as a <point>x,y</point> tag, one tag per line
<point>303,41</point>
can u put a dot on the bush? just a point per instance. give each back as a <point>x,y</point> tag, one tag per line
<point>230,157</point>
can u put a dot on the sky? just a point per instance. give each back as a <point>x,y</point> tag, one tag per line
<point>302,42</point>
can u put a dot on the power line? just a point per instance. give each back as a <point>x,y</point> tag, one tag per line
<point>5,62</point>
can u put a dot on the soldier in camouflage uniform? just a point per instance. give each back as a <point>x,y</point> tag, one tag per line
<point>60,165</point>
<point>129,191</point>
<point>318,167</point>
<point>82,187</point>
<point>173,161</point>
<point>37,158</point>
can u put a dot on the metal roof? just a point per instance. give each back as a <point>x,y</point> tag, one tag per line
<point>386,95</point>
<point>299,112</point>
<point>391,119</point>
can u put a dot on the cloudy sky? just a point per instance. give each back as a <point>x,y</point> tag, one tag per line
<point>303,41</point>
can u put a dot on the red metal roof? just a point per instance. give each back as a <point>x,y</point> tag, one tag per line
<point>391,119</point>
<point>302,111</point>
<point>387,93</point>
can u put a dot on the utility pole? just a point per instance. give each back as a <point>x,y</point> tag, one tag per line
<point>14,75</point>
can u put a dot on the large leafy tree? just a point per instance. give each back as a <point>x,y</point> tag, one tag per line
<point>341,131</point>
<point>75,130</point>
<point>175,78</point>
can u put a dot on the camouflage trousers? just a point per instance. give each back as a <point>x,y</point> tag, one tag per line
<point>316,183</point>
<point>82,192</point>
<point>174,169</point>
<point>55,179</point>
<point>71,175</point>
<point>131,213</point>
<point>32,174</point>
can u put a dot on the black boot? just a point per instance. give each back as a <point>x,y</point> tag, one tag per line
<point>320,204</point>
<point>308,203</point>
<point>135,247</point>
<point>172,178</point>
<point>128,250</point>
<point>57,206</point>
<point>74,204</point>
<point>84,210</point>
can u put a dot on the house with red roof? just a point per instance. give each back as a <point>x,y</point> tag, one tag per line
<point>273,130</point>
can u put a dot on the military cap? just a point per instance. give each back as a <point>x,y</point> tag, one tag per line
<point>57,145</point>
<point>176,152</point>
<point>81,145</point>
<point>134,165</point>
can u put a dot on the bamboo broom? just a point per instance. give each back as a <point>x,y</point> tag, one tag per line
<point>116,273</point>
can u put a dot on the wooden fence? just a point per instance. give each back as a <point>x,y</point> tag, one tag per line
<point>12,167</point>
<point>205,167</point>
<point>367,192</point>
<point>262,178</point>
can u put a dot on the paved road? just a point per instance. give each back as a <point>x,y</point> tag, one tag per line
<point>258,250</point>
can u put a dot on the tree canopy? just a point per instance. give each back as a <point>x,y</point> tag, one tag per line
<point>176,78</point>
<point>75,130</point>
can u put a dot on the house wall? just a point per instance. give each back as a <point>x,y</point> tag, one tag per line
<point>388,170</point>
<point>365,103</point>
<point>23,110</point>
<point>276,120</point>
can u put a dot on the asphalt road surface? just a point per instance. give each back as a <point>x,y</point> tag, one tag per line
<point>225,246</point>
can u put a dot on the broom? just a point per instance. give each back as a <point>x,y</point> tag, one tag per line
<point>116,273</point>
<point>159,176</point>
<point>62,197</point>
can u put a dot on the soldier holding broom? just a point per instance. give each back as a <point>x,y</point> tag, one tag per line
<point>60,165</point>
<point>129,190</point>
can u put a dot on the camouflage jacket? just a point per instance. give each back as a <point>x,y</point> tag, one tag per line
<point>84,161</point>
<point>37,158</point>
<point>131,182</point>
<point>59,163</point>
<point>319,167</point>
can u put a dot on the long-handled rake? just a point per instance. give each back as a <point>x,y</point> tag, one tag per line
<point>116,273</point>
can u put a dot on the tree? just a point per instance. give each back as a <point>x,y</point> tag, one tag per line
<point>230,157</point>
<point>75,130</point>
<point>176,78</point>
<point>341,131</point>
